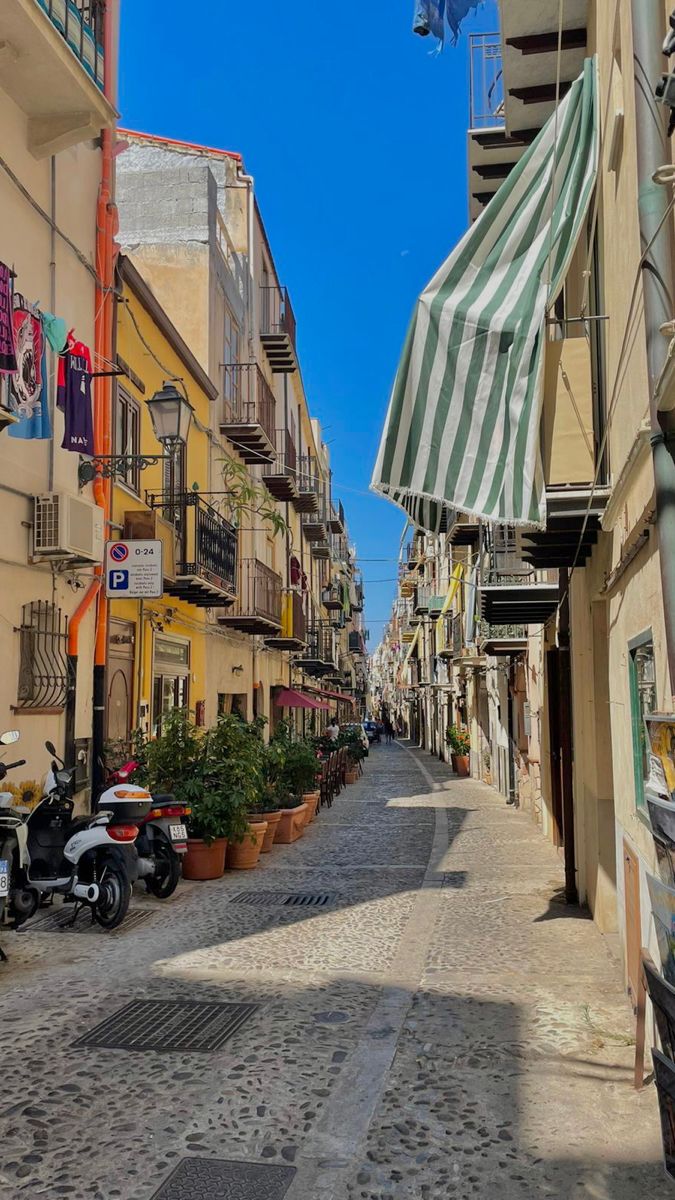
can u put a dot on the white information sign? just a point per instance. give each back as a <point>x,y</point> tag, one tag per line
<point>134,570</point>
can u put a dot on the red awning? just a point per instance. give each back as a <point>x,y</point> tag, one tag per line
<point>333,696</point>
<point>288,698</point>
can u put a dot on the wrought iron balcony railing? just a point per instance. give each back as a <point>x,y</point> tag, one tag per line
<point>248,412</point>
<point>320,656</point>
<point>80,23</point>
<point>257,608</point>
<point>281,476</point>
<point>277,328</point>
<point>206,570</point>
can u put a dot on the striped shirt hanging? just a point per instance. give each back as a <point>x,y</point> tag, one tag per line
<point>463,427</point>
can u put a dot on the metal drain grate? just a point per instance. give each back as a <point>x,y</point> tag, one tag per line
<point>455,879</point>
<point>168,1025</point>
<point>286,899</point>
<point>59,921</point>
<point>214,1179</point>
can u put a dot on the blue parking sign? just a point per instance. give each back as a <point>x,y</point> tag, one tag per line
<point>118,581</point>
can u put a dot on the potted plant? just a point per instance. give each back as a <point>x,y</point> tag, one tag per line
<point>460,741</point>
<point>356,752</point>
<point>300,775</point>
<point>292,823</point>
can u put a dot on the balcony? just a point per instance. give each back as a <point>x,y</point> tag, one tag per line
<point>277,329</point>
<point>332,598</point>
<point>320,657</point>
<point>315,529</point>
<point>422,599</point>
<point>571,434</point>
<point>257,608</point>
<point>337,518</point>
<point>518,600</point>
<point>206,567</point>
<point>310,486</point>
<point>281,476</point>
<point>502,640</point>
<point>292,635</point>
<point>463,531</point>
<point>357,643</point>
<point>52,66</point>
<point>530,37</point>
<point>248,412</point>
<point>492,154</point>
<point>359,597</point>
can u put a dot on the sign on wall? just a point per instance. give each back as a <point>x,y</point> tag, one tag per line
<point>134,570</point>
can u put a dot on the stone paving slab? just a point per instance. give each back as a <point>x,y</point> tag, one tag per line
<point>446,1030</point>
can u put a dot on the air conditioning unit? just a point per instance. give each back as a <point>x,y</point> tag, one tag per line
<point>68,527</point>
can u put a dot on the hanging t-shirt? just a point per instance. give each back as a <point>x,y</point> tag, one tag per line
<point>28,387</point>
<point>7,351</point>
<point>74,398</point>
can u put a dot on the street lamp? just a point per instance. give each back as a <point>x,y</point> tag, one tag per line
<point>171,415</point>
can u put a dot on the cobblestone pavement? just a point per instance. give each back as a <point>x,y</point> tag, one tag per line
<point>443,1027</point>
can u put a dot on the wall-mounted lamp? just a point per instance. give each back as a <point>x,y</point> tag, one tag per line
<point>171,415</point>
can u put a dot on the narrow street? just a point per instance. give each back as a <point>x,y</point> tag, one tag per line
<point>439,1026</point>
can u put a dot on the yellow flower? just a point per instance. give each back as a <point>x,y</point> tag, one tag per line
<point>28,793</point>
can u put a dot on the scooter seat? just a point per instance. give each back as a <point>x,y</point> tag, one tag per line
<point>163,800</point>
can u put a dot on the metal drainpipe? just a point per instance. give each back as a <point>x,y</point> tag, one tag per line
<point>653,151</point>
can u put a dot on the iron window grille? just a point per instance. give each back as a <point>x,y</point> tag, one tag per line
<point>44,669</point>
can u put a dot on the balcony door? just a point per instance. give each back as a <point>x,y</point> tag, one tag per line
<point>170,678</point>
<point>174,487</point>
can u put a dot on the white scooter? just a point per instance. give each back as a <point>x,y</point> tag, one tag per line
<point>89,860</point>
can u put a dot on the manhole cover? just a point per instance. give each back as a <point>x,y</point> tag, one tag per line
<point>454,879</point>
<point>59,921</point>
<point>168,1025</point>
<point>213,1179</point>
<point>286,899</point>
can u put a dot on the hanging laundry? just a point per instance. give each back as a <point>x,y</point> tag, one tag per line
<point>429,18</point>
<point>73,397</point>
<point>28,387</point>
<point>457,10</point>
<point>55,331</point>
<point>7,350</point>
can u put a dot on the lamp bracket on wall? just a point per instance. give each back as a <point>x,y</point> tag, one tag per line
<point>108,466</point>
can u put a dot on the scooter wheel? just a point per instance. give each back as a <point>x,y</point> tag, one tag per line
<point>115,893</point>
<point>167,870</point>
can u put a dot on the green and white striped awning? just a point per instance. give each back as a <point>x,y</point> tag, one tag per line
<point>463,425</point>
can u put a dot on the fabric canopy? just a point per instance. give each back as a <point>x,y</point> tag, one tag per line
<point>334,696</point>
<point>288,698</point>
<point>462,429</point>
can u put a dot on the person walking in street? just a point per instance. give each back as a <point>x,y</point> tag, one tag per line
<point>388,730</point>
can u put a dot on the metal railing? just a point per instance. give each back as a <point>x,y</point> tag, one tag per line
<point>80,23</point>
<point>321,644</point>
<point>357,643</point>
<point>486,84</point>
<point>287,459</point>
<point>337,514</point>
<point>44,670</point>
<point>207,542</point>
<point>259,593</point>
<point>501,633</point>
<point>247,397</point>
<point>457,634</point>
<point>295,616</point>
<point>276,312</point>
<point>423,595</point>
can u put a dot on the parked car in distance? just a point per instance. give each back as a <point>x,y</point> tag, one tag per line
<point>373,731</point>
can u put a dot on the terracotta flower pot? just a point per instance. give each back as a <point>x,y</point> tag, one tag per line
<point>273,819</point>
<point>291,826</point>
<point>243,856</point>
<point>204,860</point>
<point>453,761</point>
<point>462,767</point>
<point>311,799</point>
<point>351,775</point>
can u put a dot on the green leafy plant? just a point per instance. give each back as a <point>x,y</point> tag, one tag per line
<point>291,766</point>
<point>245,497</point>
<point>352,739</point>
<point>459,740</point>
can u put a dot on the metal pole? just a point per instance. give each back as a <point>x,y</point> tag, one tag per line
<point>653,151</point>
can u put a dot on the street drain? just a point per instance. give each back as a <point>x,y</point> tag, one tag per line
<point>168,1025</point>
<point>218,1179</point>
<point>60,922</point>
<point>286,899</point>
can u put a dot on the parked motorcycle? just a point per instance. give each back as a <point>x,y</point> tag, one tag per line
<point>89,860</point>
<point>6,739</point>
<point>161,841</point>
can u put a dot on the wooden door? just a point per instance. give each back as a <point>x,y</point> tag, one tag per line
<point>120,692</point>
<point>631,876</point>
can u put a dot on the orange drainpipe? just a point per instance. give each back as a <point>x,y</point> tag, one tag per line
<point>106,231</point>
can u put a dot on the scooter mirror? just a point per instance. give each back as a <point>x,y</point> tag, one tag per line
<point>8,738</point>
<point>51,748</point>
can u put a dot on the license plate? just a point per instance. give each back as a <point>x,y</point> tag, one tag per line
<point>4,877</point>
<point>178,833</point>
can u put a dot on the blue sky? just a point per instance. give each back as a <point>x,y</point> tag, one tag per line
<point>356,136</point>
